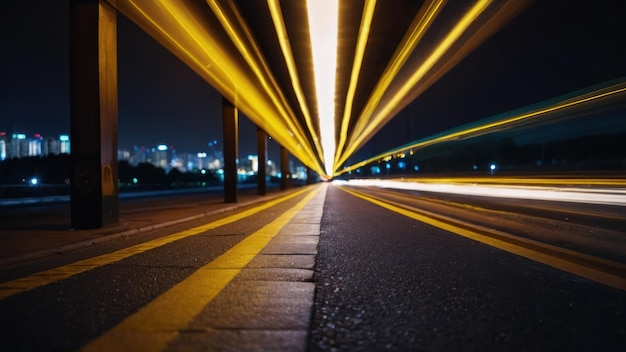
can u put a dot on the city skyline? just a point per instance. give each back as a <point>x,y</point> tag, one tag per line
<point>15,146</point>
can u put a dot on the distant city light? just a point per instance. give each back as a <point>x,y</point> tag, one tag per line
<point>34,181</point>
<point>162,147</point>
<point>19,136</point>
<point>492,167</point>
<point>201,155</point>
<point>135,180</point>
<point>64,138</point>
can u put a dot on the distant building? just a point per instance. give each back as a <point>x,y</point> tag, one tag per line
<point>272,168</point>
<point>51,146</point>
<point>35,145</point>
<point>19,145</point>
<point>250,164</point>
<point>162,156</point>
<point>64,140</point>
<point>123,155</point>
<point>183,162</point>
<point>138,155</point>
<point>3,146</point>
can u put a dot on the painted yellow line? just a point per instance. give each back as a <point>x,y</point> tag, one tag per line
<point>157,324</point>
<point>597,269</point>
<point>46,277</point>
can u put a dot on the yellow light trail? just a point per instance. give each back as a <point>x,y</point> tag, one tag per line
<point>425,18</point>
<point>222,49</point>
<point>607,92</point>
<point>367,126</point>
<point>237,75</point>
<point>259,67</point>
<point>362,39</point>
<point>283,40</point>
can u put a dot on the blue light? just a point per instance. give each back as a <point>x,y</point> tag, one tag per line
<point>34,181</point>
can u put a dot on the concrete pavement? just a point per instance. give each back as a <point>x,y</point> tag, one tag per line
<point>27,234</point>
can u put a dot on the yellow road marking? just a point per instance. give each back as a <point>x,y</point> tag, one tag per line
<point>46,277</point>
<point>157,324</point>
<point>606,277</point>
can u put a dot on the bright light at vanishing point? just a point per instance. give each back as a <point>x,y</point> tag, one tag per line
<point>323,28</point>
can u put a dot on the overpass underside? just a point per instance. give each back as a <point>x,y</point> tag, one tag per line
<point>262,57</point>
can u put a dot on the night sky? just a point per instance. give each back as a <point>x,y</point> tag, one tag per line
<point>554,47</point>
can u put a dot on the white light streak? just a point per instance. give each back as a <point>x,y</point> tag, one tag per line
<point>323,28</point>
<point>559,194</point>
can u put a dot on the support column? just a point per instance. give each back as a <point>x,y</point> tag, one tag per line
<point>284,168</point>
<point>230,117</point>
<point>94,186</point>
<point>261,146</point>
<point>309,176</point>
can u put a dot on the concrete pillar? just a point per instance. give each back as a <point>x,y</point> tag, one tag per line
<point>230,117</point>
<point>261,144</point>
<point>93,114</point>
<point>309,176</point>
<point>284,168</point>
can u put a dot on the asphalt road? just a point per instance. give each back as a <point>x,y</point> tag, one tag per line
<point>386,282</point>
<point>336,273</point>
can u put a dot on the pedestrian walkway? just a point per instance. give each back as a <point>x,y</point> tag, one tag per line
<point>31,235</point>
<point>257,296</point>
